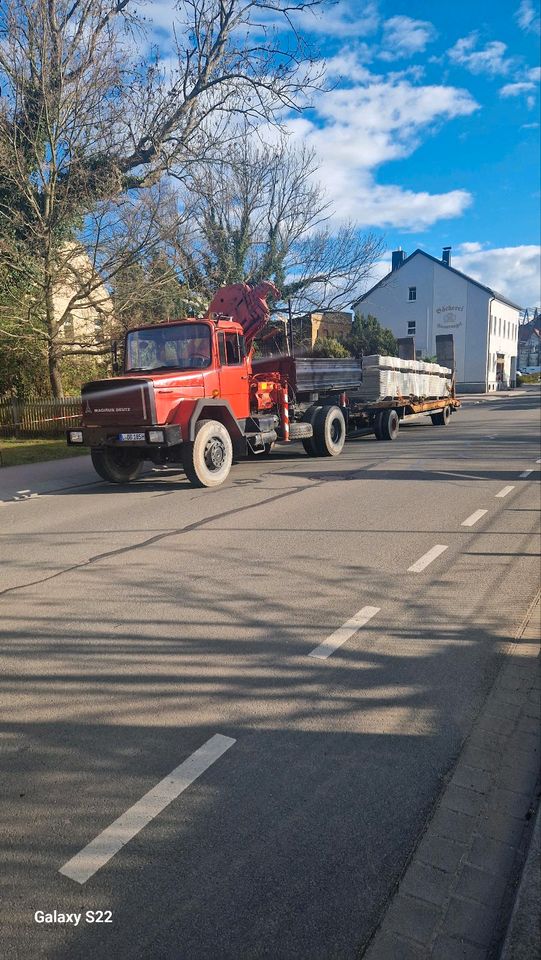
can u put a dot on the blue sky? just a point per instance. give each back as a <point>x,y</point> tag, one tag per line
<point>429,133</point>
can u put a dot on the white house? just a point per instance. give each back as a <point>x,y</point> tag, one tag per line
<point>423,297</point>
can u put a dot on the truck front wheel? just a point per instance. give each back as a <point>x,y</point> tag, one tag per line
<point>116,466</point>
<point>207,461</point>
<point>329,432</point>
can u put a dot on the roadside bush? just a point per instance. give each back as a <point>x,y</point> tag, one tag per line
<point>329,347</point>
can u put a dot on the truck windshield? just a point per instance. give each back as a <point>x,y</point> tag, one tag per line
<point>185,346</point>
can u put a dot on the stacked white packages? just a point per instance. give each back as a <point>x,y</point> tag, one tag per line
<point>389,377</point>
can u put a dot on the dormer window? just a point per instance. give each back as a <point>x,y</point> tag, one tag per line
<point>412,294</point>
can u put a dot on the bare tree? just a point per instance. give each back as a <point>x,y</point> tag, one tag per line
<point>85,126</point>
<point>260,214</point>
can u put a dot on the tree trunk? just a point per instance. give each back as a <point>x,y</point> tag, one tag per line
<point>55,377</point>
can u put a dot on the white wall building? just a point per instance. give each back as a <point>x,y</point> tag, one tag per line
<point>423,297</point>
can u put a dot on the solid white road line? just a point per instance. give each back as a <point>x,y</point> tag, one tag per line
<point>100,850</point>
<point>343,633</point>
<point>473,518</point>
<point>504,491</point>
<point>427,558</point>
<point>525,473</point>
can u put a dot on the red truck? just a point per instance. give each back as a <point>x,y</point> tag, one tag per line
<point>190,394</point>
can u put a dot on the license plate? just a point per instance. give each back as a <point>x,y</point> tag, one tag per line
<point>131,436</point>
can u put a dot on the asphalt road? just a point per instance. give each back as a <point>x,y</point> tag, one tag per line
<point>139,623</point>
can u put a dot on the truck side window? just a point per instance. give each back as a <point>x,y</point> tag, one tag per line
<point>221,349</point>
<point>232,349</point>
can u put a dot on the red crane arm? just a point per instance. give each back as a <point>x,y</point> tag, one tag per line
<point>247,305</point>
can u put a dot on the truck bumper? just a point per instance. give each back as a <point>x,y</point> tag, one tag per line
<point>151,438</point>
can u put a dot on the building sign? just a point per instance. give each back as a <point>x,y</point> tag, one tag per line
<point>449,317</point>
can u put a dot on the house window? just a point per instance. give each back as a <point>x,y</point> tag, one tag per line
<point>411,328</point>
<point>412,294</point>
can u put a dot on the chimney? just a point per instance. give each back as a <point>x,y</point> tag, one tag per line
<point>398,258</point>
<point>446,256</point>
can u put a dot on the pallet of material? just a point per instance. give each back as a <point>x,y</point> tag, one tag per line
<point>387,377</point>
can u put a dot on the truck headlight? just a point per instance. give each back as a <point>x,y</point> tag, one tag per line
<point>156,436</point>
<point>75,436</point>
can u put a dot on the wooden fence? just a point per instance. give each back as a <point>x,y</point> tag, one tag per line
<point>39,418</point>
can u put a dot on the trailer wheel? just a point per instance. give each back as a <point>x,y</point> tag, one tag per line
<point>441,419</point>
<point>389,425</point>
<point>377,426</point>
<point>329,432</point>
<point>208,459</point>
<point>309,443</point>
<point>116,466</point>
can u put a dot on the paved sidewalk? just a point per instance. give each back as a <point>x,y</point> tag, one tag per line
<point>523,940</point>
<point>493,395</point>
<point>456,896</point>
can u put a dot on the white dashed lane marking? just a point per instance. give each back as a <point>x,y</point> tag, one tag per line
<point>525,473</point>
<point>504,491</point>
<point>427,558</point>
<point>343,633</point>
<point>473,518</point>
<point>100,850</point>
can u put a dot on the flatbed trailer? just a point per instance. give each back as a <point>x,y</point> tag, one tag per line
<point>317,382</point>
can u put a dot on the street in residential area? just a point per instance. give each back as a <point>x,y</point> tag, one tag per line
<point>234,716</point>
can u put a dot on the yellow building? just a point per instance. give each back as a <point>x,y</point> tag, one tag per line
<point>326,323</point>
<point>83,306</point>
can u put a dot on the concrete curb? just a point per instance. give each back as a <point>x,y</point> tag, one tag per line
<point>454,899</point>
<point>523,940</point>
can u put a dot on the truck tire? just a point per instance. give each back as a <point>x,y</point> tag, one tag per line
<point>388,425</point>
<point>300,430</point>
<point>441,418</point>
<point>329,432</point>
<point>377,426</point>
<point>309,443</point>
<point>207,460</point>
<point>116,466</point>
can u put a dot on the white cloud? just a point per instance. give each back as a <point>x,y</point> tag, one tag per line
<point>358,128</point>
<point>348,66</point>
<point>529,126</point>
<point>515,89</point>
<point>466,247</point>
<point>527,17</point>
<point>403,37</point>
<point>526,82</point>
<point>513,271</point>
<point>490,59</point>
<point>342,19</point>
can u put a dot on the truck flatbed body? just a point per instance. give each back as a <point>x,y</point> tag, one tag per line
<point>313,374</point>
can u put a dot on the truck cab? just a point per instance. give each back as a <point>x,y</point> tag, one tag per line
<point>191,359</point>
<point>176,378</point>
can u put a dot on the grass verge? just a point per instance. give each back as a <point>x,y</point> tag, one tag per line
<point>16,452</point>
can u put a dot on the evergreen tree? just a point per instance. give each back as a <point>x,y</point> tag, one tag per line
<point>368,337</point>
